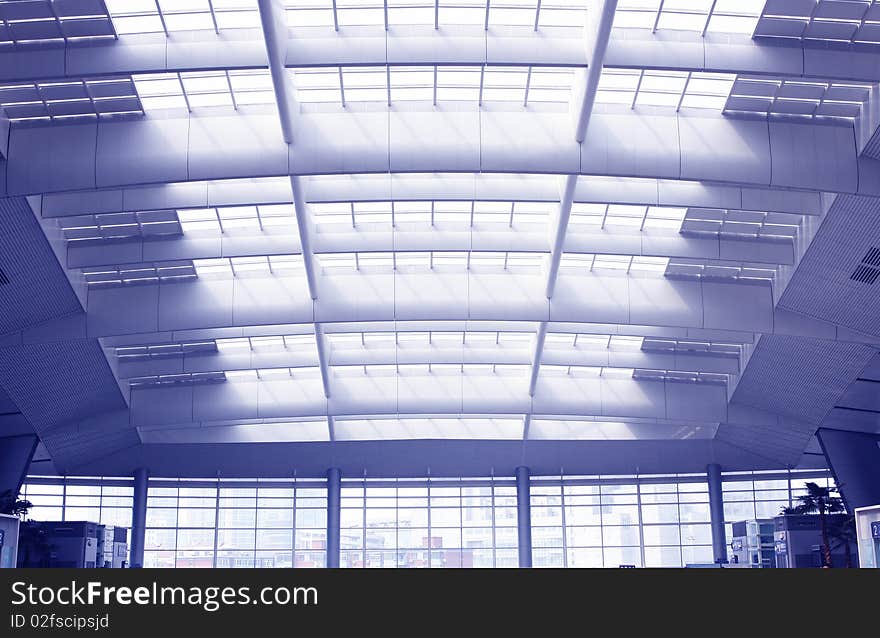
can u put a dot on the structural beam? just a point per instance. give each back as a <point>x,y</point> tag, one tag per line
<point>559,236</point>
<point>593,241</point>
<point>439,186</point>
<point>536,357</point>
<point>594,71</point>
<point>274,22</point>
<point>302,227</point>
<point>680,149</point>
<point>322,358</point>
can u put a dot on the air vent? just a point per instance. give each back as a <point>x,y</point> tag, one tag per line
<point>869,270</point>
<point>873,257</point>
<point>3,278</point>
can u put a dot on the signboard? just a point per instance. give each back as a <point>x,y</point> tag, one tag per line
<point>780,545</point>
<point>875,530</point>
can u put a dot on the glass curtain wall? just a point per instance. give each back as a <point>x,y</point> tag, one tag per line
<point>577,521</point>
<point>437,523</point>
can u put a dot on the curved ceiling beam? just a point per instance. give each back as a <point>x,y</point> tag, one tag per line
<point>663,145</point>
<point>374,46</point>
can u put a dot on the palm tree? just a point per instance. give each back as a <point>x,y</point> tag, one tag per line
<point>821,501</point>
<point>844,533</point>
<point>9,504</point>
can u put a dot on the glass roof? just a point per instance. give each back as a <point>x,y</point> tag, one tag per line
<point>676,89</point>
<point>339,14</point>
<point>42,21</point>
<point>705,16</point>
<point>65,99</point>
<point>797,97</point>
<point>432,212</point>
<point>193,90</point>
<point>168,16</point>
<point>474,228</point>
<point>849,21</point>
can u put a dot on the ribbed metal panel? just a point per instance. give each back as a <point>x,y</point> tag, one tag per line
<point>38,289</point>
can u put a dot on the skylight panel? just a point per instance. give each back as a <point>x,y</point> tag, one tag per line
<point>239,217</point>
<point>365,84</point>
<point>809,98</point>
<point>69,98</point>
<point>401,83</point>
<point>412,212</point>
<point>318,85</point>
<point>166,16</point>
<point>718,16</point>
<point>412,83</point>
<point>512,12</point>
<point>189,90</point>
<point>165,272</point>
<point>462,12</point>
<point>671,89</point>
<point>823,20</point>
<point>452,212</point>
<point>616,263</point>
<point>195,220</point>
<point>460,84</point>
<point>135,16</point>
<point>491,212</point>
<point>309,13</point>
<point>372,212</point>
<point>649,264</point>
<point>504,84</point>
<point>360,12</point>
<point>550,84</point>
<point>562,13</point>
<point>332,213</point>
<point>533,212</point>
<point>408,12</point>
<point>624,216</point>
<point>664,218</point>
<point>612,262</point>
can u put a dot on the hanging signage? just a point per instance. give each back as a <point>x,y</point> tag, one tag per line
<point>875,530</point>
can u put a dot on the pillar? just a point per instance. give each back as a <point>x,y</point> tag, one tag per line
<point>716,513</point>
<point>139,517</point>
<point>334,488</point>
<point>524,516</point>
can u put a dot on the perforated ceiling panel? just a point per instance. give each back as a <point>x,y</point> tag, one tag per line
<point>823,285</point>
<point>798,377</point>
<point>37,288</point>
<point>56,384</point>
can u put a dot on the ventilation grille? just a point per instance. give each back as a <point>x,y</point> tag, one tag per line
<point>3,278</point>
<point>868,271</point>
